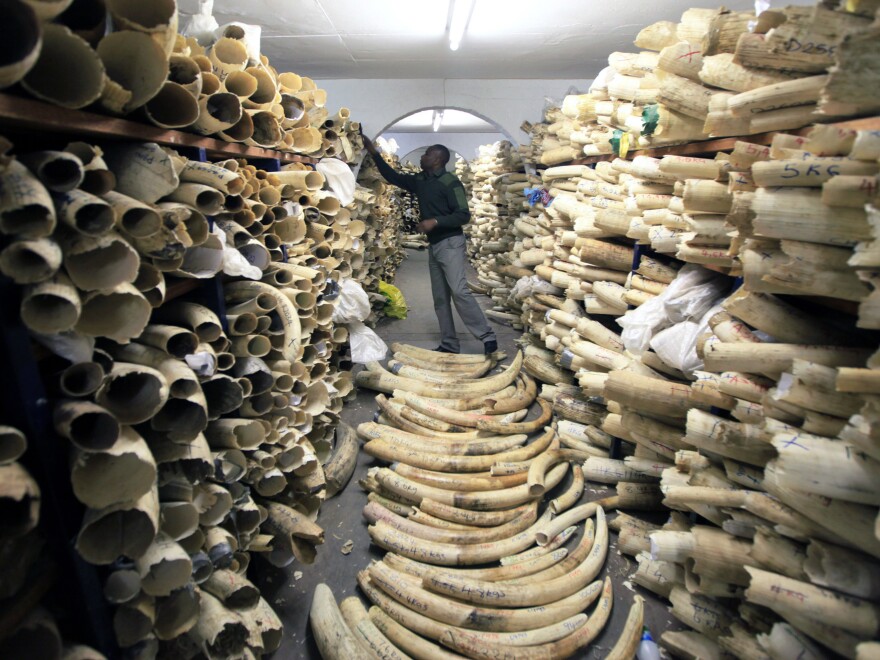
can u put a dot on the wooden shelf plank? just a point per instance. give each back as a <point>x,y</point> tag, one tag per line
<point>723,144</point>
<point>37,115</point>
<point>180,287</point>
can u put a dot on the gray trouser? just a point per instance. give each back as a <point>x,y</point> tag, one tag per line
<point>446,263</point>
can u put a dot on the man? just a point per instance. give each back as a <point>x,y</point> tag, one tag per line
<point>444,210</point>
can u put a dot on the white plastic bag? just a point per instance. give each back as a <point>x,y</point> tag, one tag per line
<point>234,262</point>
<point>689,296</point>
<point>366,345</point>
<point>339,178</point>
<point>353,303</point>
<point>202,25</point>
<point>529,285</point>
<point>677,345</point>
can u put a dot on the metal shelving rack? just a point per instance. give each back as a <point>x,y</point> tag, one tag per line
<point>26,402</point>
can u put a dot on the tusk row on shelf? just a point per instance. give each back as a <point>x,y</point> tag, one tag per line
<point>769,439</point>
<point>388,217</point>
<point>144,66</point>
<point>195,439</point>
<point>718,73</point>
<point>762,435</point>
<point>476,558</point>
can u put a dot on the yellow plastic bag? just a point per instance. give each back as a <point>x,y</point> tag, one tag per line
<point>395,305</point>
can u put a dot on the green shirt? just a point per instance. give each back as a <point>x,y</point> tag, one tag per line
<point>441,196</point>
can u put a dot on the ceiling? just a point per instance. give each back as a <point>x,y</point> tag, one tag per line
<point>565,39</point>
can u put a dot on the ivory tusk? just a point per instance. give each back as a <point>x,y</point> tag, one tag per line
<point>218,629</point>
<point>59,171</point>
<point>400,587</point>
<point>854,615</point>
<point>121,472</point>
<point>540,551</point>
<point>416,515</point>
<point>130,384</point>
<point>434,629</point>
<point>373,512</point>
<point>471,482</point>
<point>391,451</point>
<point>20,495</point>
<point>463,418</point>
<point>126,528</point>
<point>560,649</point>
<point>25,41</point>
<point>446,554</point>
<point>480,500</point>
<point>86,213</point>
<point>544,462</point>
<point>547,531</point>
<point>233,590</point>
<point>13,444</point>
<point>26,208</point>
<point>572,495</point>
<point>120,313</point>
<point>393,415</point>
<point>63,51</point>
<point>434,356</point>
<point>451,368</point>
<point>521,569</point>
<point>333,637</point>
<point>385,382</point>
<point>496,445</point>
<point>512,595</point>
<point>289,318</point>
<point>416,646</point>
<point>470,517</point>
<point>571,563</point>
<point>631,636</point>
<point>834,567</point>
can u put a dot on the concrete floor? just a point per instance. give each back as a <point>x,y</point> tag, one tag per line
<point>290,590</point>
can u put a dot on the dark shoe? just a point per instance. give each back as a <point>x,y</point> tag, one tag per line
<point>490,347</point>
<point>443,349</point>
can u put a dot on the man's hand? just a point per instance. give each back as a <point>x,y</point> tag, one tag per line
<point>368,143</point>
<point>427,226</point>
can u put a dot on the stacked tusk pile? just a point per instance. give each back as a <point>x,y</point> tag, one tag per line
<point>145,69</point>
<point>763,444</point>
<point>717,73</point>
<point>473,562</point>
<point>196,439</point>
<point>388,215</point>
<point>496,186</point>
<point>769,442</point>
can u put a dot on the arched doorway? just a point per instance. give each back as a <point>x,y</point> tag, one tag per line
<point>461,131</point>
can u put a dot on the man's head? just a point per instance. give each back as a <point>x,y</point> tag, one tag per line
<point>434,158</point>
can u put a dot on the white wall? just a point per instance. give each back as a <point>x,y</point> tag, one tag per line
<point>378,103</point>
<point>464,143</point>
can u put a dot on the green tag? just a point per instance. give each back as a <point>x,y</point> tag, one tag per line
<point>615,141</point>
<point>650,118</point>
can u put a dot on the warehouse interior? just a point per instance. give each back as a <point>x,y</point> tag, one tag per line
<point>447,329</point>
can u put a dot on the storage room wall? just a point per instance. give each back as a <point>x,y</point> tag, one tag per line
<point>464,143</point>
<point>378,103</point>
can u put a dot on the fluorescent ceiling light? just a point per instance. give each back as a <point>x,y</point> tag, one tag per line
<point>461,13</point>
<point>438,119</point>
